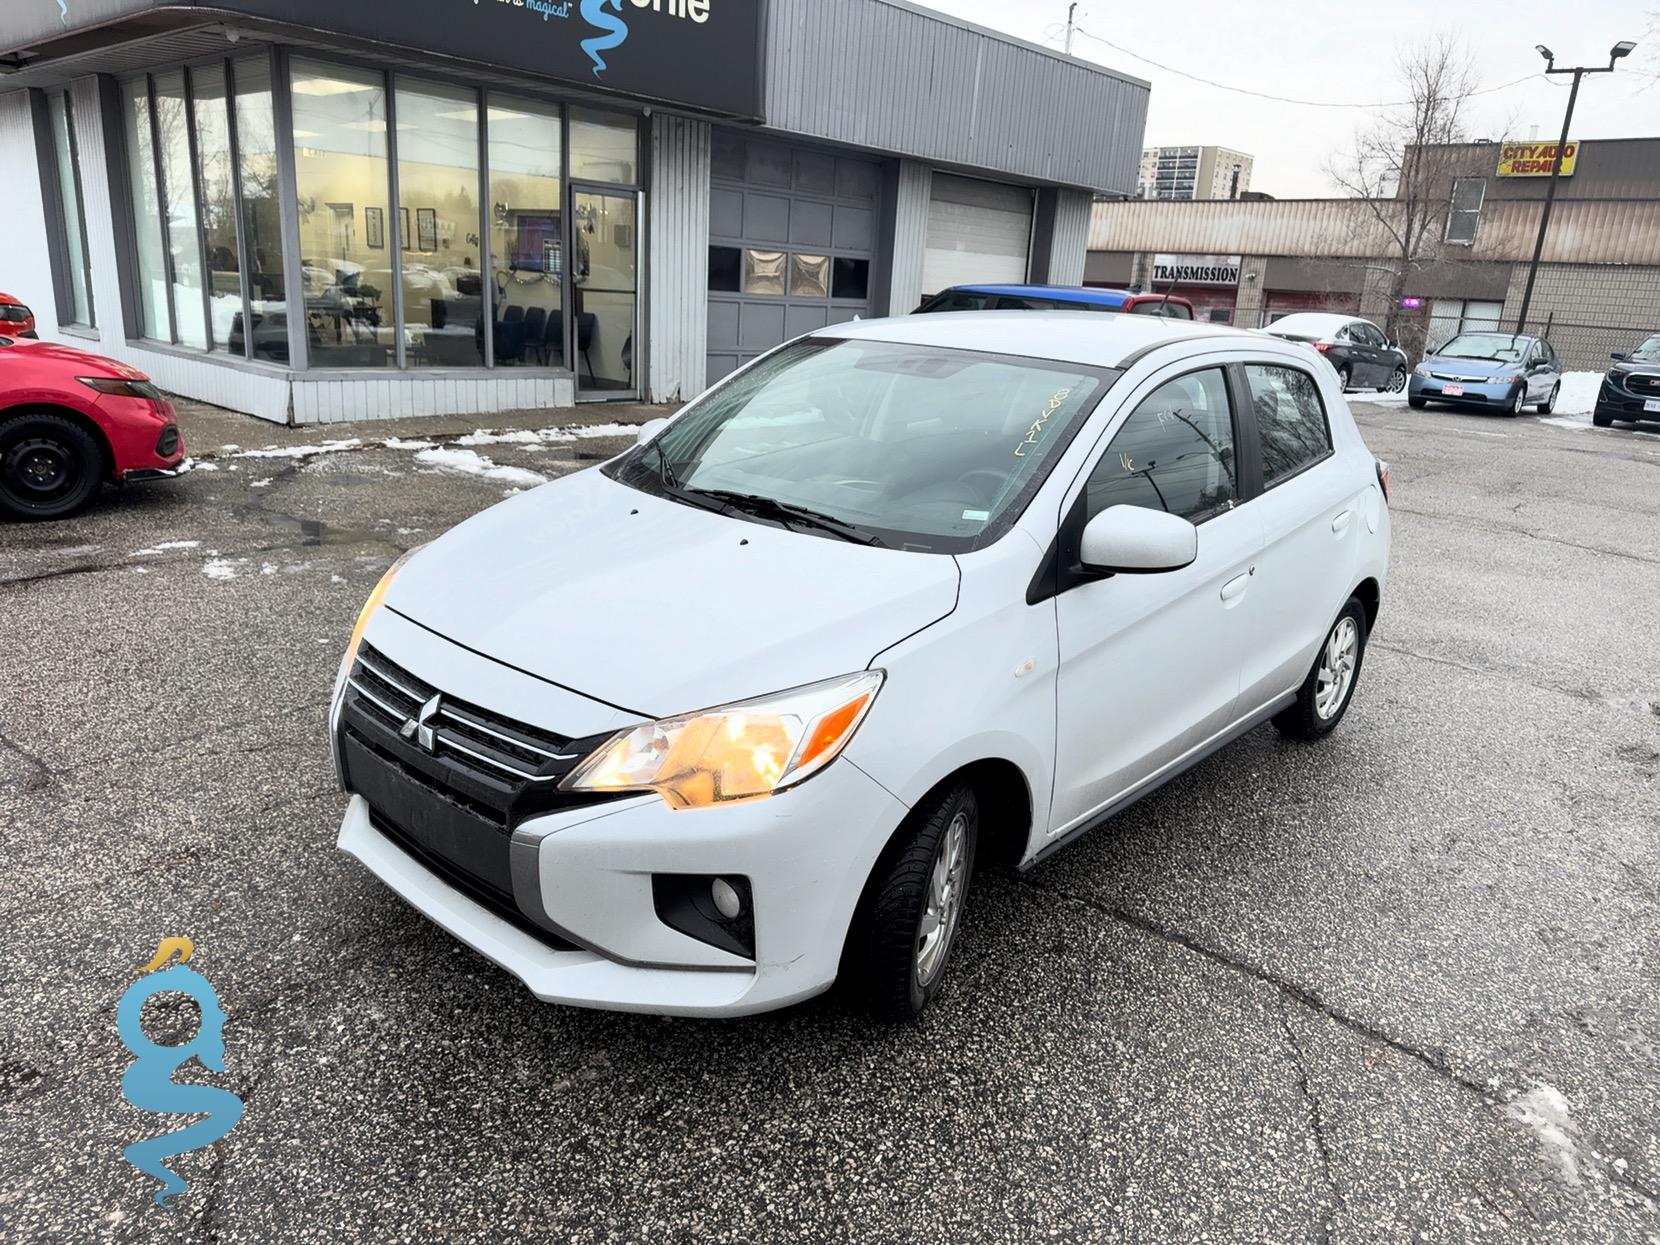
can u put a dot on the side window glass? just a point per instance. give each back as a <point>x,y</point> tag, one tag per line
<point>1291,420</point>
<point>1174,453</point>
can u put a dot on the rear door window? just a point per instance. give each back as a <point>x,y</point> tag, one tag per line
<point>1290,419</point>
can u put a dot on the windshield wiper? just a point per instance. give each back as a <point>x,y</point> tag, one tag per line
<point>787,513</point>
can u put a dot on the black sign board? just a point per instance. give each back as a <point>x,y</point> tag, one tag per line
<point>704,54</point>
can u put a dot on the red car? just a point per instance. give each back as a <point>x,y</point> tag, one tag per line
<point>16,320</point>
<point>69,421</point>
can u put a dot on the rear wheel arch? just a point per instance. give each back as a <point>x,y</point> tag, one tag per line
<point>1370,595</point>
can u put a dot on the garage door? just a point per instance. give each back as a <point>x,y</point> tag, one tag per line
<point>977,232</point>
<point>792,242</point>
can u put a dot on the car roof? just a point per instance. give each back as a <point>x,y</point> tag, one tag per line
<point>1312,321</point>
<point>1094,295</point>
<point>1084,337</point>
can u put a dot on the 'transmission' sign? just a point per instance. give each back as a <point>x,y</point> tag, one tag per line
<point>1195,270</point>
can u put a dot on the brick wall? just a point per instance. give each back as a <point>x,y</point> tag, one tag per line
<point>1591,309</point>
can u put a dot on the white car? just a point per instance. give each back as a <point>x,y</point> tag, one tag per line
<point>737,713</point>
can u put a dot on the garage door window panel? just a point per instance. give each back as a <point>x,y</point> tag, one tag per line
<point>1290,420</point>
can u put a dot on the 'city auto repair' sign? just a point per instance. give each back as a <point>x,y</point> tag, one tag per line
<point>1535,159</point>
<point>1196,269</point>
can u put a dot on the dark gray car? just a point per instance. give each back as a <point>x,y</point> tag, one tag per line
<point>1356,348</point>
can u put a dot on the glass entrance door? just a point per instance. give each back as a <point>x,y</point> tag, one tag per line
<point>604,323</point>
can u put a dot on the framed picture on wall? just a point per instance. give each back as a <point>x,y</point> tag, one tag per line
<point>374,228</point>
<point>403,227</point>
<point>426,229</point>
<point>536,242</point>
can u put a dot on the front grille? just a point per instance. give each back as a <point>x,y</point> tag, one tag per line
<point>448,780</point>
<point>1462,380</point>
<point>169,442</point>
<point>1643,382</point>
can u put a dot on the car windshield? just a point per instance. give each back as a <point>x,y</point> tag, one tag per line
<point>1494,347</point>
<point>914,447</point>
<point>1648,352</point>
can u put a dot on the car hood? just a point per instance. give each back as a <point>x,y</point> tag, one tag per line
<point>80,362</point>
<point>1472,367</point>
<point>660,608</point>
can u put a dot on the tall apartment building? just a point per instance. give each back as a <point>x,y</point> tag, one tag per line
<point>1193,173</point>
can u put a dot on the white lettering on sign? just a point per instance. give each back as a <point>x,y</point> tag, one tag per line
<point>697,10</point>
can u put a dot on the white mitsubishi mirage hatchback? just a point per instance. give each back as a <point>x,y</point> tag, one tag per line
<point>738,713</point>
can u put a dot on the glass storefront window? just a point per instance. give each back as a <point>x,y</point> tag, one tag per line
<point>605,147</point>
<point>79,270</point>
<point>184,242</point>
<point>141,172</point>
<point>218,199</point>
<point>256,141</point>
<point>443,279</point>
<point>526,233</point>
<point>603,284</point>
<point>346,236</point>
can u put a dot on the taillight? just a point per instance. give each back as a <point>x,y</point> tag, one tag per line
<point>1383,479</point>
<point>1322,347</point>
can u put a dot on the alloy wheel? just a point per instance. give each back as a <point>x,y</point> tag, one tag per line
<point>1520,402</point>
<point>947,883</point>
<point>1397,380</point>
<point>1337,668</point>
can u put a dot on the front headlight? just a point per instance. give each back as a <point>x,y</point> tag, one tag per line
<point>368,612</point>
<point>734,752</point>
<point>1515,378</point>
<point>1422,369</point>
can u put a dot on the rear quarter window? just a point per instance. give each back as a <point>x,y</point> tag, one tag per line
<point>1292,427</point>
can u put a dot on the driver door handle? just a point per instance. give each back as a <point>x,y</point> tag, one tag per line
<point>1235,587</point>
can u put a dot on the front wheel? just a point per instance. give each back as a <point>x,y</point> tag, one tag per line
<point>908,923</point>
<point>1325,694</point>
<point>1549,404</point>
<point>1415,402</point>
<point>1601,420</point>
<point>49,466</point>
<point>1519,402</point>
<point>1343,378</point>
<point>1397,381</point>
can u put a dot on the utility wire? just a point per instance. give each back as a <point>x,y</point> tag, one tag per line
<point>1283,99</point>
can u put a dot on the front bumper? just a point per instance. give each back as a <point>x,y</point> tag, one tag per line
<point>806,855</point>
<point>1614,402</point>
<point>1499,394</point>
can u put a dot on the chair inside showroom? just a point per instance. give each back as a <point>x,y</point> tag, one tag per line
<point>536,324</point>
<point>586,325</point>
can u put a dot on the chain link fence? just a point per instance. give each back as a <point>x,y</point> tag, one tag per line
<point>1586,347</point>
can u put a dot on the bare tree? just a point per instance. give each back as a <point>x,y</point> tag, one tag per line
<point>1403,165</point>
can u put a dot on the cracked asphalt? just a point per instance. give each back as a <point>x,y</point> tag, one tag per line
<point>1400,986</point>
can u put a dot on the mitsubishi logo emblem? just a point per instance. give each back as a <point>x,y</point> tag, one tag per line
<point>419,727</point>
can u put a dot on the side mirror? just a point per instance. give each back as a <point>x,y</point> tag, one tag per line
<point>1137,540</point>
<point>1620,355</point>
<point>650,429</point>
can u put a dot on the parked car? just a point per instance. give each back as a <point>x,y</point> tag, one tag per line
<point>1631,390</point>
<point>1056,298</point>
<point>898,599</point>
<point>71,421</point>
<point>1363,357</point>
<point>1499,371</point>
<point>16,320</point>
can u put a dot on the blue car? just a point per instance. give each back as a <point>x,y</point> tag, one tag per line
<point>1056,298</point>
<point>1499,371</point>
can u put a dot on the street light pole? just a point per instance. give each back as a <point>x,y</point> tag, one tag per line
<point>1615,53</point>
<point>1070,10</point>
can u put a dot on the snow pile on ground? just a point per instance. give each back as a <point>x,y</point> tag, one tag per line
<point>1544,1111</point>
<point>547,436</point>
<point>221,568</point>
<point>165,545</point>
<point>470,463</point>
<point>301,451</point>
<point>1578,397</point>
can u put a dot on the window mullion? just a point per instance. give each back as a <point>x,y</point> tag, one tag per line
<point>243,286</point>
<point>486,217</point>
<point>395,225</point>
<point>161,207</point>
<point>193,150</point>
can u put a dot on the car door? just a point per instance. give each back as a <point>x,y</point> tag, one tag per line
<point>1312,515</point>
<point>1378,362</point>
<point>1541,376</point>
<point>1149,664</point>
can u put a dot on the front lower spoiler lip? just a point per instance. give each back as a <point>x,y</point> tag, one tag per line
<point>141,474</point>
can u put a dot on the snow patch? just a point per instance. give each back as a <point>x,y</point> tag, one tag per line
<point>79,551</point>
<point>221,568</point>
<point>301,451</point>
<point>398,443</point>
<point>469,463</point>
<point>1544,1111</point>
<point>266,483</point>
<point>164,547</point>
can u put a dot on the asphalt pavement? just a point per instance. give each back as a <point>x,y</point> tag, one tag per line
<point>1402,986</point>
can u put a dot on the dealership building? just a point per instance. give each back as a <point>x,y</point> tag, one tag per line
<point>320,210</point>
<point>1248,263</point>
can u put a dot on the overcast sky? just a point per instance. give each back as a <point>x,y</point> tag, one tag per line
<point>1346,55</point>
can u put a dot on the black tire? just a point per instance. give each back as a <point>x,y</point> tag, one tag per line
<point>1517,403</point>
<point>1303,719</point>
<point>1397,381</point>
<point>1343,378</point>
<point>1415,402</point>
<point>888,935</point>
<point>1601,420</point>
<point>1549,404</point>
<point>50,467</point>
